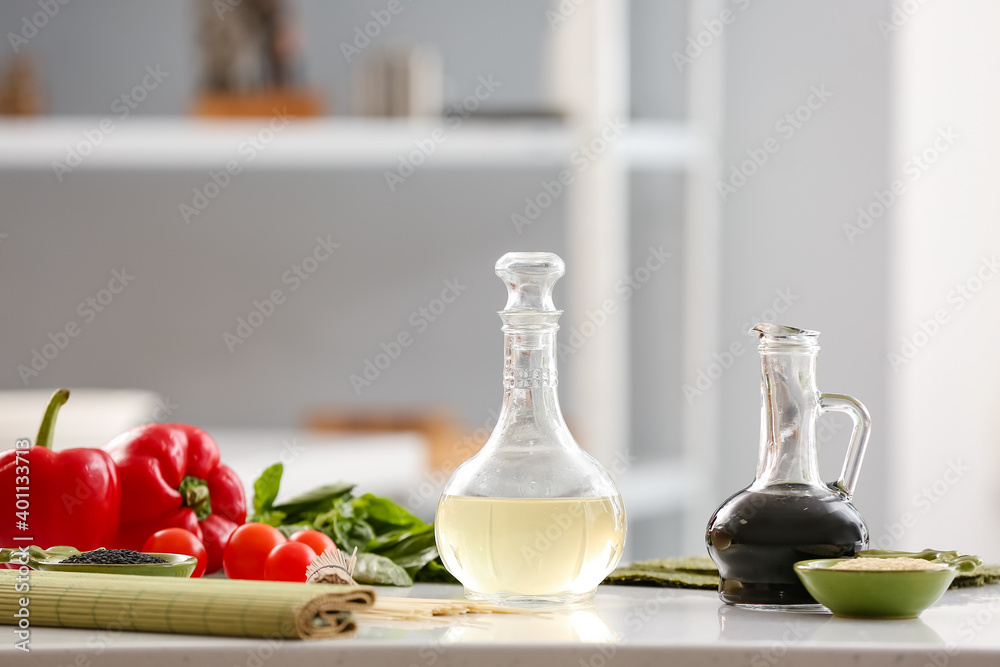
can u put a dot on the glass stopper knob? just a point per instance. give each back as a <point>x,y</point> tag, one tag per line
<point>530,277</point>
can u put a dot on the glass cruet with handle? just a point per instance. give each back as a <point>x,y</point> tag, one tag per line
<point>530,518</point>
<point>788,513</point>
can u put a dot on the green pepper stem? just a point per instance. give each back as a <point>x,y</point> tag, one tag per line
<point>196,496</point>
<point>47,429</point>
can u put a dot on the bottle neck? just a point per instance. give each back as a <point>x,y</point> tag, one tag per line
<point>789,410</point>
<point>530,379</point>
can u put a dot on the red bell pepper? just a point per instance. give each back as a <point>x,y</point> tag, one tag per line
<point>171,477</point>
<point>72,497</point>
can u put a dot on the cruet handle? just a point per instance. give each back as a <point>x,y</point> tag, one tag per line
<point>859,437</point>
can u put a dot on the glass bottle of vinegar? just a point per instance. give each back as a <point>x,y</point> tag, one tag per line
<point>788,514</point>
<point>531,517</point>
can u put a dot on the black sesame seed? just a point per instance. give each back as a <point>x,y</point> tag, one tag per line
<point>113,557</point>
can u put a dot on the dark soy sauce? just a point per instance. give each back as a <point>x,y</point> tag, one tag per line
<point>756,537</point>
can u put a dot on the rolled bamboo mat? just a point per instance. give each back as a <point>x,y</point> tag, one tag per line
<point>185,606</point>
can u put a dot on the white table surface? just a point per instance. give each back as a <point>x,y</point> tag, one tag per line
<point>626,626</point>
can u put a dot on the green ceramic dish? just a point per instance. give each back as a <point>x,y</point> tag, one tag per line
<point>874,593</point>
<point>50,560</point>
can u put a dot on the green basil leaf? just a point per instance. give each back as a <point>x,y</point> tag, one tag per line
<point>415,561</point>
<point>386,540</point>
<point>290,529</point>
<point>406,543</point>
<point>349,507</point>
<point>344,528</point>
<point>265,489</point>
<point>358,535</point>
<point>320,499</point>
<point>375,569</point>
<point>434,572</point>
<point>386,515</point>
<point>270,517</point>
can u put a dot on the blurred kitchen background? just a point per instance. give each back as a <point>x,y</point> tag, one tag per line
<point>825,165</point>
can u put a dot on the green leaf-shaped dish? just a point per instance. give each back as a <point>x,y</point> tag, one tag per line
<point>50,560</point>
<point>962,562</point>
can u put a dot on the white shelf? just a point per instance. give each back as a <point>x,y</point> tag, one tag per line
<point>181,143</point>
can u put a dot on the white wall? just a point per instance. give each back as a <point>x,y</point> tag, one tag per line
<point>783,228</point>
<point>946,397</point>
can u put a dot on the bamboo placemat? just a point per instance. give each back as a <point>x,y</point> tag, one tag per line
<point>186,606</point>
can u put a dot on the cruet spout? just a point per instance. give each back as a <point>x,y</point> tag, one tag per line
<point>783,333</point>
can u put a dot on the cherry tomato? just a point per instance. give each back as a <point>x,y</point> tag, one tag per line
<point>178,541</point>
<point>247,550</point>
<point>315,539</point>
<point>288,562</point>
<point>215,531</point>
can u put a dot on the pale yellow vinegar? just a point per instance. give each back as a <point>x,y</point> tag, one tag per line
<point>532,548</point>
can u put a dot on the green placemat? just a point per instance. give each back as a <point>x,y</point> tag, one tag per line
<point>983,575</point>
<point>700,572</point>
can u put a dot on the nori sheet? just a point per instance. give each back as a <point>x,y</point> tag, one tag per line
<point>984,575</point>
<point>687,572</point>
<point>700,572</point>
